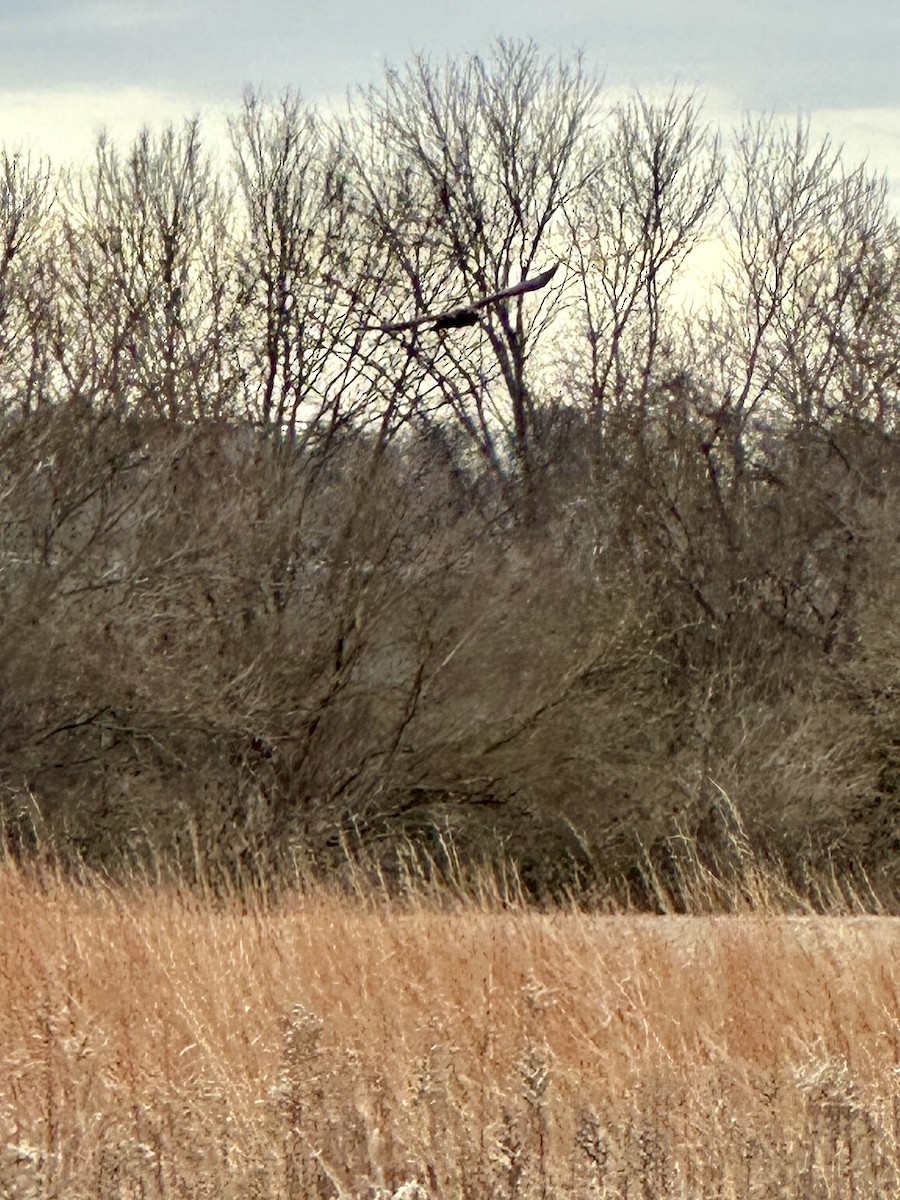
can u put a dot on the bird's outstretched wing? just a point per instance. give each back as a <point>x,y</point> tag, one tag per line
<point>455,318</point>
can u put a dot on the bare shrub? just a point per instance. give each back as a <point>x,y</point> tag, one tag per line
<point>284,583</point>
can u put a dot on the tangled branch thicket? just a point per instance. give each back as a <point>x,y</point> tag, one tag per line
<point>604,587</point>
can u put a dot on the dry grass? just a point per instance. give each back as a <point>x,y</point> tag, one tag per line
<point>156,1045</point>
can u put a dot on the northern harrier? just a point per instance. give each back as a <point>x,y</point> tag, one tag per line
<point>467,314</point>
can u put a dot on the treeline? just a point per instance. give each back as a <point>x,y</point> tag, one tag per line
<point>610,574</point>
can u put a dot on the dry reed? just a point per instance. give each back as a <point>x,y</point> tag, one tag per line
<point>155,1044</point>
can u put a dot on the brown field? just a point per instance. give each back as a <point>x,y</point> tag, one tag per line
<point>157,1045</point>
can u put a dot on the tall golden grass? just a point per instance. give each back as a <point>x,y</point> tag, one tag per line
<point>154,1043</point>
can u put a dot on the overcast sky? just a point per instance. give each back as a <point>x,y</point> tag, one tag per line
<point>68,66</point>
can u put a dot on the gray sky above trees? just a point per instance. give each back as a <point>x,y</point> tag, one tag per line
<point>66,66</point>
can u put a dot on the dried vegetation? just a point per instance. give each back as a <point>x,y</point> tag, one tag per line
<point>363,683</point>
<point>597,589</point>
<point>156,1044</point>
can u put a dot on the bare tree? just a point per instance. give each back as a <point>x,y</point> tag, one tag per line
<point>144,283</point>
<point>800,335</point>
<point>485,154</point>
<point>26,200</point>
<point>837,331</point>
<point>633,225</point>
<point>260,444</point>
<point>303,268</point>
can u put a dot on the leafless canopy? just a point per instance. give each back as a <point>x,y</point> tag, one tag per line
<point>275,590</point>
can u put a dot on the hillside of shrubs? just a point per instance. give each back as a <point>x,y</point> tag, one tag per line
<point>600,592</point>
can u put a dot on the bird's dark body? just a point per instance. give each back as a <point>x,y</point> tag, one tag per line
<point>456,319</point>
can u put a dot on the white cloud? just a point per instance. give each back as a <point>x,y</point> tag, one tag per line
<point>115,16</point>
<point>872,134</point>
<point>112,17</point>
<point>63,125</point>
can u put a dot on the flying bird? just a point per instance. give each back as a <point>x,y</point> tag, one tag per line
<point>467,314</point>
